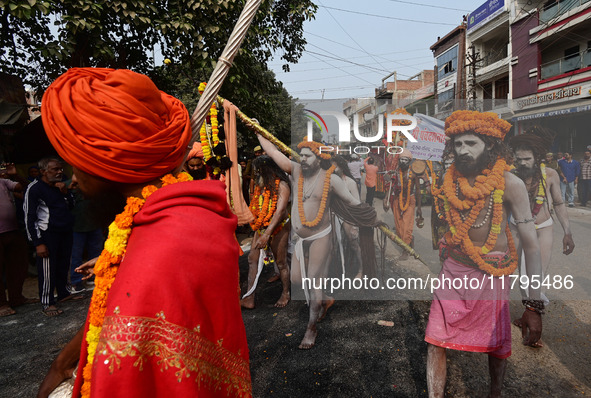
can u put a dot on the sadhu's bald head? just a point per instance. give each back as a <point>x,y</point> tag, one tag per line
<point>115,124</point>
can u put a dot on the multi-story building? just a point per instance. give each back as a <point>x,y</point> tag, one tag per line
<point>551,69</point>
<point>489,53</point>
<point>450,79</point>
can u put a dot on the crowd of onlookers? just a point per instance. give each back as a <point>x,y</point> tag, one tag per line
<point>46,221</point>
<point>574,175</point>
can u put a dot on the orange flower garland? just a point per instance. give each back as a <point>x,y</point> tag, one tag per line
<point>435,191</point>
<point>486,123</point>
<point>263,206</point>
<point>322,208</point>
<point>404,207</point>
<point>107,266</point>
<point>491,183</point>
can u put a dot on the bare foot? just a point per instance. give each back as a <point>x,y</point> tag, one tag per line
<point>537,344</point>
<point>52,311</point>
<point>5,310</point>
<point>274,278</point>
<point>309,339</point>
<point>283,300</point>
<point>518,323</point>
<point>247,302</point>
<point>359,275</point>
<point>326,304</point>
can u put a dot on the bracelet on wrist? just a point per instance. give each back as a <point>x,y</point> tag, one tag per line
<point>534,305</point>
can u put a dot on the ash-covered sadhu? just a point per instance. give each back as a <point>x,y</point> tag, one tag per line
<point>161,320</point>
<point>479,193</point>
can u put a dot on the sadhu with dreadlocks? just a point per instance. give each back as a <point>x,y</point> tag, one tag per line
<point>271,226</point>
<point>543,188</point>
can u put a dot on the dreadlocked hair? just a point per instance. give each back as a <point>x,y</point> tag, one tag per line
<point>536,139</point>
<point>268,170</point>
<point>343,165</point>
<point>498,149</point>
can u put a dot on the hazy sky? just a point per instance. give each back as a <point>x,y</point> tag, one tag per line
<point>349,52</point>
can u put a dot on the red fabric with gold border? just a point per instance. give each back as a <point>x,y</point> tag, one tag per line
<point>173,325</point>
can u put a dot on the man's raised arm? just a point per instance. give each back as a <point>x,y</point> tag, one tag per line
<point>278,157</point>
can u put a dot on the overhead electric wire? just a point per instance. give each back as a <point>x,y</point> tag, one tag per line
<point>387,17</point>
<point>351,37</point>
<point>428,5</point>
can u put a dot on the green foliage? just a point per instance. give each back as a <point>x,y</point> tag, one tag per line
<point>124,33</point>
<point>249,85</point>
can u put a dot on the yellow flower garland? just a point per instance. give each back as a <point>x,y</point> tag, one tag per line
<point>107,266</point>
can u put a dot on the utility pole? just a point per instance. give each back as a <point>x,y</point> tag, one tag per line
<point>473,58</point>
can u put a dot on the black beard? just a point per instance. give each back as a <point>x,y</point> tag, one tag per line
<point>308,171</point>
<point>198,174</point>
<point>404,166</point>
<point>472,167</point>
<point>525,172</point>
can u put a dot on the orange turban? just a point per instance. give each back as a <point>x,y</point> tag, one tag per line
<point>484,123</point>
<point>314,147</point>
<point>196,151</point>
<point>115,124</point>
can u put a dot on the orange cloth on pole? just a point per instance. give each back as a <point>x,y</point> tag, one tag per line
<point>135,132</point>
<point>233,181</point>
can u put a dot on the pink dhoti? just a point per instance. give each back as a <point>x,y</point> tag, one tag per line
<point>474,316</point>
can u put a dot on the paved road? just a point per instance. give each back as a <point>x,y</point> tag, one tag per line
<point>354,356</point>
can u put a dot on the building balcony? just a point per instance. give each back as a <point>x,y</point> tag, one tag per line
<point>558,8</point>
<point>566,64</point>
<point>493,70</point>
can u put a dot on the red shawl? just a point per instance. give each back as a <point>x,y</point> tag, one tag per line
<point>173,325</point>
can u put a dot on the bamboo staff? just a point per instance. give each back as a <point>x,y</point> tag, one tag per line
<point>223,66</point>
<point>257,128</point>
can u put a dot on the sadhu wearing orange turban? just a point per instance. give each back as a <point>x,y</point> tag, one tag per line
<point>149,331</point>
<point>477,196</point>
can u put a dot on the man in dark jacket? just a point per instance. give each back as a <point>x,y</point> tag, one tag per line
<point>49,227</point>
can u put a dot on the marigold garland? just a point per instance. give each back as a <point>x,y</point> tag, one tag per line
<point>323,201</point>
<point>107,266</point>
<point>435,190</point>
<point>541,196</point>
<point>263,206</point>
<point>486,123</point>
<point>404,206</point>
<point>490,183</point>
<point>315,147</point>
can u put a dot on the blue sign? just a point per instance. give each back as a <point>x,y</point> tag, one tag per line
<point>485,12</point>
